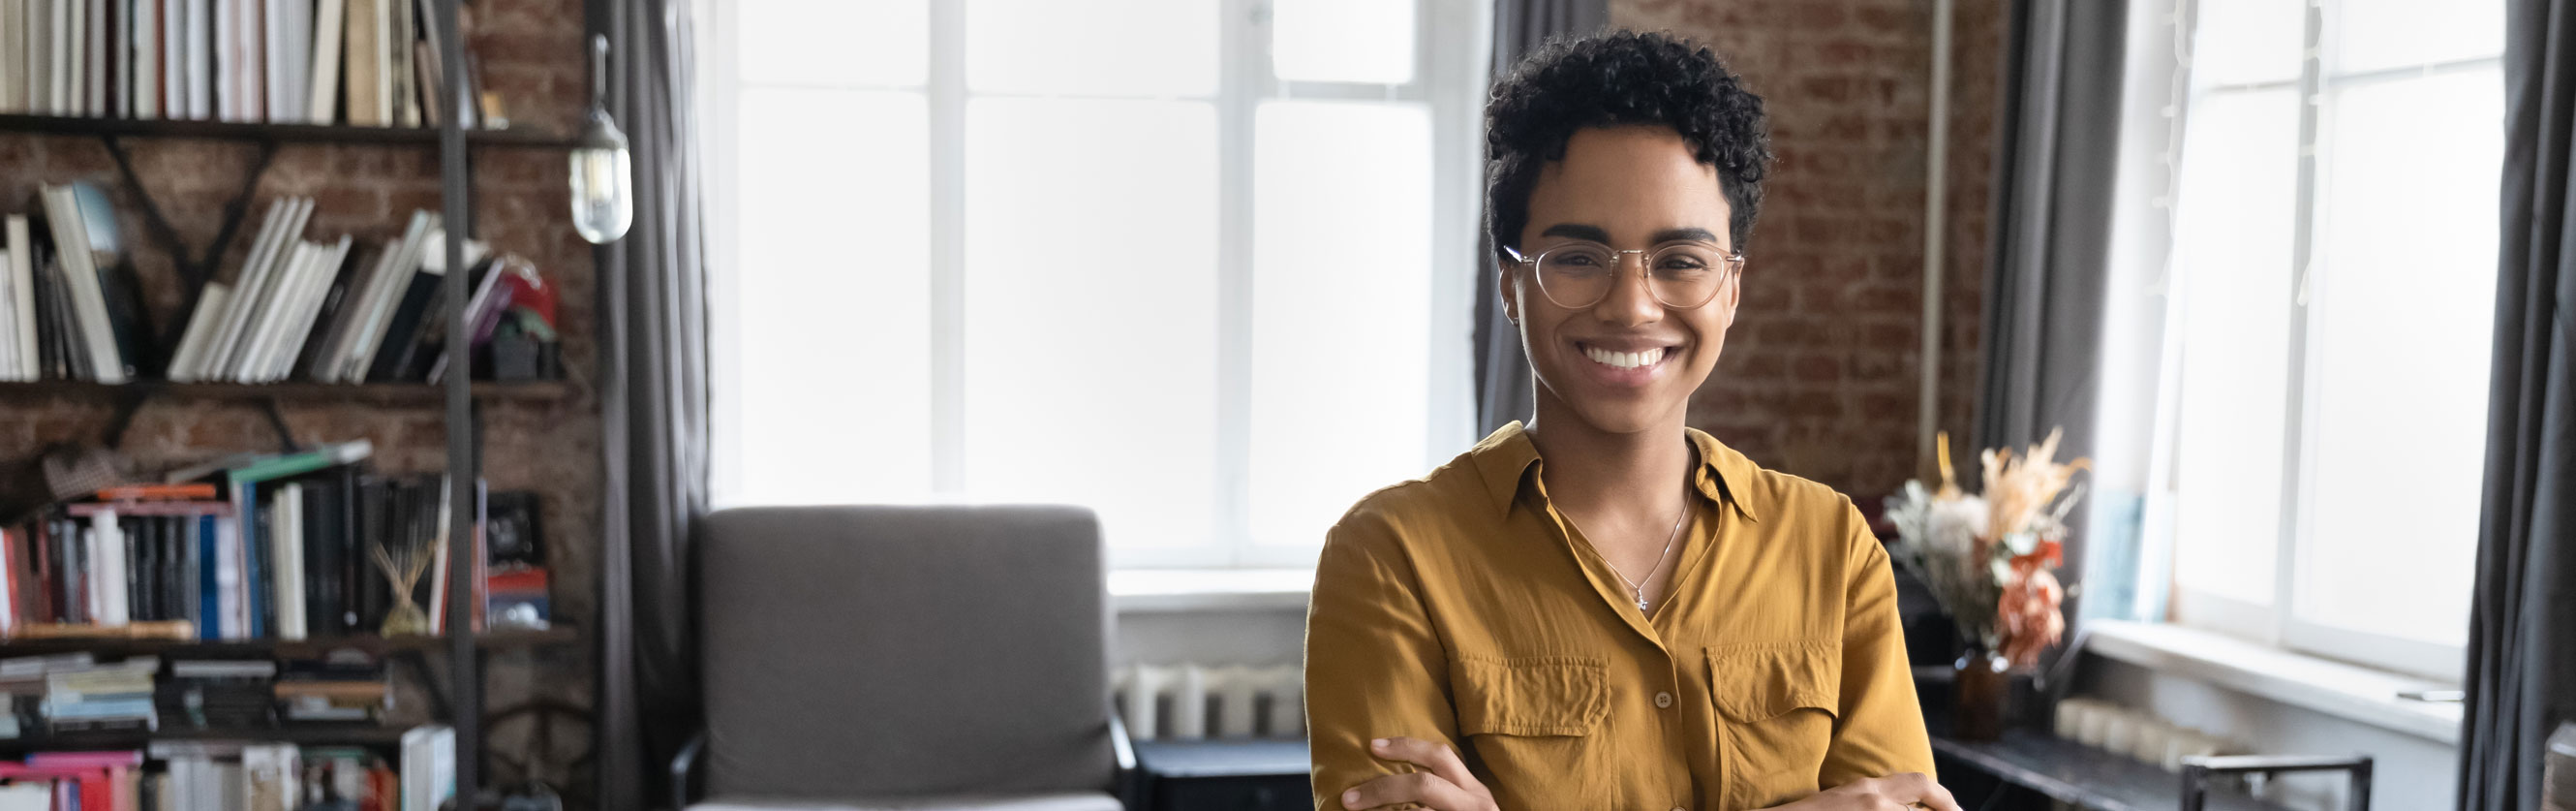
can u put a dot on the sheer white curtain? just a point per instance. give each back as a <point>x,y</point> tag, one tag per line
<point>1176,260</point>
<point>2330,314</point>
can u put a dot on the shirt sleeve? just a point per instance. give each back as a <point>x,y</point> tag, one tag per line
<point>1374,666</point>
<point>1880,729</point>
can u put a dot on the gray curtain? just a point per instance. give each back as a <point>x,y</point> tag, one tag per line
<point>653,404</point>
<point>1502,372</point>
<point>2057,149</point>
<point>2522,622</point>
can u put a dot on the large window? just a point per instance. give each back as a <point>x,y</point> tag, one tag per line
<point>1197,264</point>
<point>2333,265</point>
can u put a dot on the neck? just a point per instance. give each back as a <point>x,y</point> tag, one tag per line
<point>1590,471</point>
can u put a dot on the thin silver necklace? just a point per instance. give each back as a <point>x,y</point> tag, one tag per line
<point>1634,587</point>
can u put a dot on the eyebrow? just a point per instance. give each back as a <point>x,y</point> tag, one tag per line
<point>1596,233</point>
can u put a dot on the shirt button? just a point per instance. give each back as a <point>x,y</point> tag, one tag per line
<point>1663,700</point>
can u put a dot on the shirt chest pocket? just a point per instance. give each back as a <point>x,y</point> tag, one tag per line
<point>1534,724</point>
<point>1776,705</point>
<point>1531,695</point>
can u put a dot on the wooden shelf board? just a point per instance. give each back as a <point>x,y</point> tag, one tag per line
<point>308,734</point>
<point>279,133</point>
<point>420,393</point>
<point>489,640</point>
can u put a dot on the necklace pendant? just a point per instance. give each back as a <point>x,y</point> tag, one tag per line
<point>1641,603</point>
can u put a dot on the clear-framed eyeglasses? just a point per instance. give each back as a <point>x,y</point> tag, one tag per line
<point>1681,275</point>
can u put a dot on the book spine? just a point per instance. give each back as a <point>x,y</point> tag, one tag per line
<point>108,548</point>
<point>200,577</point>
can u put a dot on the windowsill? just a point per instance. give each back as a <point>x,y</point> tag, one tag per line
<point>2335,688</point>
<point>1147,590</point>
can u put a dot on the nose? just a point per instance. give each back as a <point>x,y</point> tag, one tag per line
<point>1631,301</point>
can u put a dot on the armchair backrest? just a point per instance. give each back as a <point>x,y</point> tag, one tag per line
<point>884,651</point>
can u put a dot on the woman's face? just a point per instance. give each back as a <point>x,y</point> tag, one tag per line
<point>1629,362</point>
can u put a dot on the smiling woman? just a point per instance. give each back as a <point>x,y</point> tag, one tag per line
<point>1604,608</point>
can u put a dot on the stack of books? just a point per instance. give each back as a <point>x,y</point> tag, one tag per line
<point>219,694</point>
<point>292,308</point>
<point>294,547</point>
<point>258,776</point>
<point>70,781</point>
<point>68,306</point>
<point>342,689</point>
<point>23,680</point>
<point>302,308</point>
<point>114,696</point>
<point>364,62</point>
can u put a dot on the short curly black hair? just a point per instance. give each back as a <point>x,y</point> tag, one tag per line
<point>1615,79</point>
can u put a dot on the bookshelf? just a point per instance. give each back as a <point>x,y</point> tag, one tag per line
<point>388,394</point>
<point>309,735</point>
<point>488,641</point>
<point>459,703</point>
<point>271,133</point>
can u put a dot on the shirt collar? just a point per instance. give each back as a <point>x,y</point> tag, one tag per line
<point>1505,458</point>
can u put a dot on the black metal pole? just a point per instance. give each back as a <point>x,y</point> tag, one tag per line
<point>464,467</point>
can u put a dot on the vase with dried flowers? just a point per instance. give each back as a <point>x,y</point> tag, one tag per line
<point>1991,560</point>
<point>402,571</point>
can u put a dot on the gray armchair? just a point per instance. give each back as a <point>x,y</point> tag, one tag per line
<point>930,658</point>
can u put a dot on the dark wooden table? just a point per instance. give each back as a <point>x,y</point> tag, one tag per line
<point>1221,774</point>
<point>2071,772</point>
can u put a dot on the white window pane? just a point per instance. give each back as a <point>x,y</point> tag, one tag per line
<point>1343,40</point>
<point>2232,257</point>
<point>2242,41</point>
<point>1341,290</point>
<point>880,43</point>
<point>835,368</point>
<point>1092,47</point>
<point>2377,34</point>
<point>1091,312</point>
<point>2402,312</point>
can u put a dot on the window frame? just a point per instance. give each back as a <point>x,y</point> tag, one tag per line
<point>1449,78</point>
<point>2278,624</point>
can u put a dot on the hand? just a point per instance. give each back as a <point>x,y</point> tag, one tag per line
<point>1444,785</point>
<point>1895,792</point>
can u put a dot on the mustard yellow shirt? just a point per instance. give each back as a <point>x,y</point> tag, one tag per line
<point>1462,607</point>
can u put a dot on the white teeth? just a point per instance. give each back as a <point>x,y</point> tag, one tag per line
<point>1623,360</point>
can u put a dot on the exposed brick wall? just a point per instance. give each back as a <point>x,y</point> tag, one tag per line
<point>531,52</point>
<point>1820,376</point>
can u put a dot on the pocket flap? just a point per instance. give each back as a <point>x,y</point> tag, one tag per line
<point>1530,695</point>
<point>1758,682</point>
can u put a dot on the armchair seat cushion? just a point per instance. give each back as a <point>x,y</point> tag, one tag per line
<point>1068,801</point>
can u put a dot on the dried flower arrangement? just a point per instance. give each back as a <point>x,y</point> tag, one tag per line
<point>1991,559</point>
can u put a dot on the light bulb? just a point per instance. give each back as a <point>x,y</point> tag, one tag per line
<point>603,174</point>
<point>603,193</point>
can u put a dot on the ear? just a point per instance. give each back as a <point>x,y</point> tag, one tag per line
<point>1733,293</point>
<point>1510,292</point>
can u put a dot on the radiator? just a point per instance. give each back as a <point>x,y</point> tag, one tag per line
<point>1189,701</point>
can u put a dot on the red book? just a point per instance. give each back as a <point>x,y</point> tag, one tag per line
<point>384,791</point>
<point>26,594</point>
<point>42,544</point>
<point>158,492</point>
<point>90,508</point>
